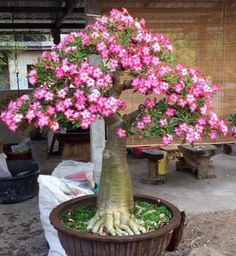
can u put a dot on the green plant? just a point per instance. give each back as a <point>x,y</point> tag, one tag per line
<point>82,79</point>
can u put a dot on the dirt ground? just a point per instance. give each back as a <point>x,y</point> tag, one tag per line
<point>216,230</point>
<point>22,235</point>
<point>210,206</point>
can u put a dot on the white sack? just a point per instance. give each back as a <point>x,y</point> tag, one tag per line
<point>52,192</point>
<point>4,172</point>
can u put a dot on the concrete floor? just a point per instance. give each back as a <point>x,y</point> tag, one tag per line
<point>21,233</point>
<point>188,193</point>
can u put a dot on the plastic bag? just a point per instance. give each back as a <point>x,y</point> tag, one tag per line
<point>52,192</point>
<point>78,172</point>
<point>4,172</point>
<point>22,147</point>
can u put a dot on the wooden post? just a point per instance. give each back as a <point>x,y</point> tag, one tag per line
<point>153,156</point>
<point>97,133</point>
<point>93,9</point>
<point>56,34</point>
<point>97,129</point>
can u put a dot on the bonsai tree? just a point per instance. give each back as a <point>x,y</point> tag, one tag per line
<point>70,87</point>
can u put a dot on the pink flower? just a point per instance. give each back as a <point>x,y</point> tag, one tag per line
<point>234,129</point>
<point>223,128</point>
<point>156,47</point>
<point>33,76</point>
<point>53,56</point>
<point>121,133</point>
<point>181,102</point>
<point>173,98</point>
<point>93,97</point>
<point>59,73</point>
<point>48,96</point>
<point>213,135</point>
<point>163,122</point>
<point>39,93</point>
<point>203,110</point>
<point>51,110</point>
<point>24,97</point>
<point>43,121</point>
<point>201,121</point>
<point>147,119</point>
<point>179,87</point>
<point>113,64</point>
<point>54,126</point>
<point>170,112</point>
<point>140,125</point>
<point>178,132</point>
<point>167,139</point>
<point>62,93</point>
<point>149,103</point>
<point>18,118</point>
<point>192,136</point>
<point>30,115</point>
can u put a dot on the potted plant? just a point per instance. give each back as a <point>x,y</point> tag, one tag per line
<point>71,87</point>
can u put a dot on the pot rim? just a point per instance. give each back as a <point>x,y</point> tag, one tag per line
<point>20,177</point>
<point>58,210</point>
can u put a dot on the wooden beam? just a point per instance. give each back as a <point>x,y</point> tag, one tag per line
<point>93,8</point>
<point>70,6</point>
<point>23,32</point>
<point>171,10</point>
<point>38,9</point>
<point>40,26</point>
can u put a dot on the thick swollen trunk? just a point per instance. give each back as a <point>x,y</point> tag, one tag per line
<point>115,192</point>
<point>115,204</point>
<point>114,213</point>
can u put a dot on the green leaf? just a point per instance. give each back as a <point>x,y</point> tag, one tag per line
<point>232,119</point>
<point>171,78</point>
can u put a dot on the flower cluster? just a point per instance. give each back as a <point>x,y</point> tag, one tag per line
<point>232,121</point>
<point>187,110</point>
<point>52,105</point>
<point>234,133</point>
<point>68,88</point>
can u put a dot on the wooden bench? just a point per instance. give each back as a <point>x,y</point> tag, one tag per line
<point>172,151</point>
<point>153,156</point>
<point>198,160</point>
<point>74,145</point>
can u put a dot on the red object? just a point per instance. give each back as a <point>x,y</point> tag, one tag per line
<point>79,176</point>
<point>137,151</point>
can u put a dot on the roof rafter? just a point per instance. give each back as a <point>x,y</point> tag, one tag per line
<point>70,6</point>
<point>40,25</point>
<point>41,9</point>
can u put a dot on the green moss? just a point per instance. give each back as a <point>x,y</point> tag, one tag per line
<point>77,218</point>
<point>154,216</point>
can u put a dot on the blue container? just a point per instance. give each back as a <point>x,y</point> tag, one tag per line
<point>96,189</point>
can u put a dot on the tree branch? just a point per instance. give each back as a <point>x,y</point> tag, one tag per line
<point>113,119</point>
<point>120,83</point>
<point>128,84</point>
<point>131,117</point>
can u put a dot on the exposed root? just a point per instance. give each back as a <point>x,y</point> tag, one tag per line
<point>115,223</point>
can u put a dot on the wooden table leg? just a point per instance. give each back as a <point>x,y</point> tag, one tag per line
<point>152,177</point>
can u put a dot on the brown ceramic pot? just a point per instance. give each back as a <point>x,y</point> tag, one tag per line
<point>85,244</point>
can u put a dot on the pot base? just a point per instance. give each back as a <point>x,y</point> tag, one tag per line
<point>153,243</point>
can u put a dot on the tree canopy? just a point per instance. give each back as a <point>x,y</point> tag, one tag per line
<point>69,89</point>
